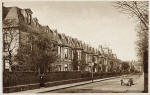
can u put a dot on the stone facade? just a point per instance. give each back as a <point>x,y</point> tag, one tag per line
<point>100,59</point>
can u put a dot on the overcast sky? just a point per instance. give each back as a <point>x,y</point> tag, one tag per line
<point>96,23</point>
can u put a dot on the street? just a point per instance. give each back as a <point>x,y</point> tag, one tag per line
<point>108,86</point>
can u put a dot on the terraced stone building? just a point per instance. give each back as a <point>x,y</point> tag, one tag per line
<point>101,59</point>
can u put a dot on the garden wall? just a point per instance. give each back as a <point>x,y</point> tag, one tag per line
<point>19,81</point>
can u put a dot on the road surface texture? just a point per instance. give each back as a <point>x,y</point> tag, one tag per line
<point>107,86</point>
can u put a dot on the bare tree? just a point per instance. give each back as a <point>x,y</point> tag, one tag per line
<point>10,39</point>
<point>139,11</point>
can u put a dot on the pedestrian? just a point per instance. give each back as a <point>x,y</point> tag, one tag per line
<point>42,80</point>
<point>131,81</point>
<point>121,82</point>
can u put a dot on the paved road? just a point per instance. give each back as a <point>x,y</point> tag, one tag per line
<point>108,86</point>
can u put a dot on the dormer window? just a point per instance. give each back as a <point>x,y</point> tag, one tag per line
<point>29,19</point>
<point>35,21</point>
<point>29,16</point>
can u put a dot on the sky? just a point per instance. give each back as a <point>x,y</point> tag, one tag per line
<point>95,23</point>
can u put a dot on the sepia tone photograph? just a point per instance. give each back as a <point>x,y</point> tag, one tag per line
<point>75,46</point>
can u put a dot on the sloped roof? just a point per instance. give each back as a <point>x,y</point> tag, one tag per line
<point>76,43</point>
<point>64,40</point>
<point>55,35</point>
<point>15,15</point>
<point>59,40</point>
<point>35,23</point>
<point>73,43</point>
<point>84,46</point>
<point>11,17</point>
<point>28,10</point>
<point>5,11</point>
<point>80,44</point>
<point>69,41</point>
<point>12,14</point>
<point>45,28</point>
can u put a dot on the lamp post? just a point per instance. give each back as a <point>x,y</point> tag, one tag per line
<point>92,71</point>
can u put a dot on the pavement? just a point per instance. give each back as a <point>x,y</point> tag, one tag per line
<point>47,89</point>
<point>106,85</point>
<point>138,85</point>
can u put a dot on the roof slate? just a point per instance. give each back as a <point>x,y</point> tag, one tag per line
<point>14,15</point>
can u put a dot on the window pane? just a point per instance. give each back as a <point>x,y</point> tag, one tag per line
<point>7,65</point>
<point>5,46</point>
<point>66,52</point>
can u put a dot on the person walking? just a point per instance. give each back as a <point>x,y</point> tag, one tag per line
<point>121,82</point>
<point>42,80</point>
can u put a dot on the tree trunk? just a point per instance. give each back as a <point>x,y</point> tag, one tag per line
<point>39,71</point>
<point>145,62</point>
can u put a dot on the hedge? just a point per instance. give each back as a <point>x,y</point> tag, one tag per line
<point>22,78</point>
<point>19,78</point>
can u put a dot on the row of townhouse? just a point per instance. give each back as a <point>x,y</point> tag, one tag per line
<point>101,59</point>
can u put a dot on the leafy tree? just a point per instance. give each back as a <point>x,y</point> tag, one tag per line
<point>39,54</point>
<point>83,62</point>
<point>112,67</point>
<point>75,60</point>
<point>125,66</point>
